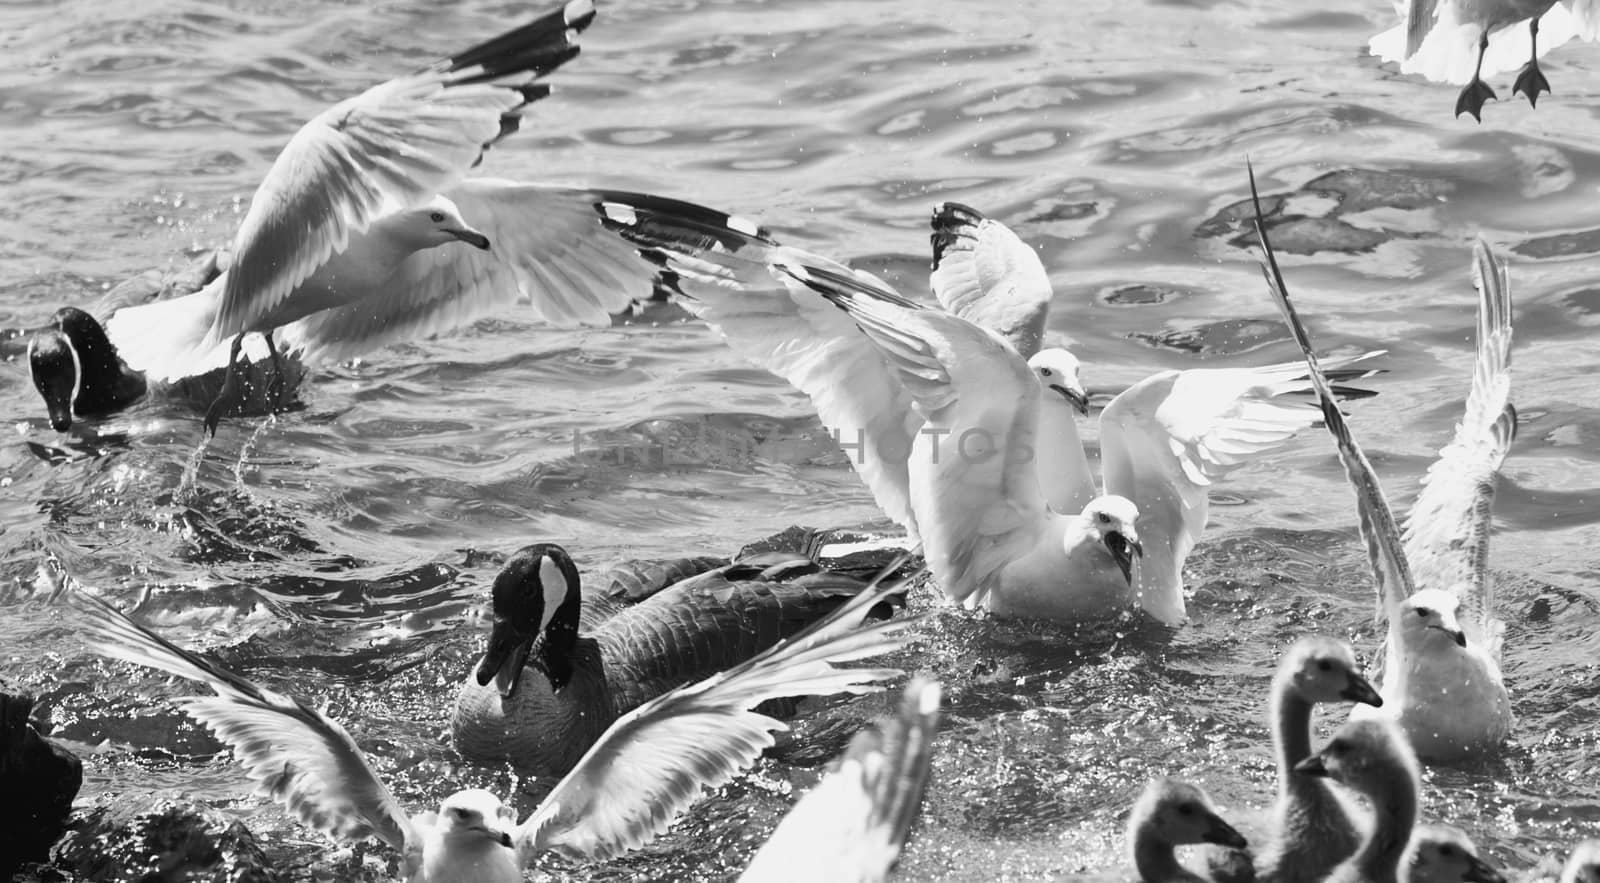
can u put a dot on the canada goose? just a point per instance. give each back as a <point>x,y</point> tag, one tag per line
<point>1441,672</point>
<point>545,688</point>
<point>945,422</point>
<point>1373,758</point>
<point>1169,814</point>
<point>645,769</point>
<point>77,370</point>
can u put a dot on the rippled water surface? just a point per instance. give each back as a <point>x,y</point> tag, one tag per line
<point>345,559</point>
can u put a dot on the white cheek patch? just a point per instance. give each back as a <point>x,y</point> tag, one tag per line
<point>555,589</point>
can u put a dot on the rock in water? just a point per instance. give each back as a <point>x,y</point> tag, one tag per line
<point>41,779</point>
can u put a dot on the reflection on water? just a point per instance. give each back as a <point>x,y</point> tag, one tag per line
<point>342,551</point>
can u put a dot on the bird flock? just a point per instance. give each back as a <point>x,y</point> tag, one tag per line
<point>640,692</point>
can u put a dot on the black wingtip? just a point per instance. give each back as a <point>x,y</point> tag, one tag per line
<point>951,221</point>
<point>539,46</point>
<point>651,221</point>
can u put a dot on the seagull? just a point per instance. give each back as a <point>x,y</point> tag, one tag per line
<point>643,772</point>
<point>1459,41</point>
<point>1441,672</point>
<point>954,432</point>
<point>851,826</point>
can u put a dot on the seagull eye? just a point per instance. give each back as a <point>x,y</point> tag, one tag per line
<point>461,813</point>
<point>436,217</point>
<point>1104,518</point>
<point>1047,372</point>
<point>1424,612</point>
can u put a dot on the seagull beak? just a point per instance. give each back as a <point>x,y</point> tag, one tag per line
<point>1360,690</point>
<point>470,237</point>
<point>1479,871</point>
<point>501,837</point>
<point>1123,551</point>
<point>1076,397</point>
<point>1456,634</point>
<point>505,657</point>
<point>1223,834</point>
<point>1312,766</point>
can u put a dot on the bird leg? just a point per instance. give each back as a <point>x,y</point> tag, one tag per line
<point>228,396</point>
<point>275,385</point>
<point>1476,92</point>
<point>1531,81</point>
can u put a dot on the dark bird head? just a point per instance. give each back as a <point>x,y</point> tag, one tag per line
<point>535,595</point>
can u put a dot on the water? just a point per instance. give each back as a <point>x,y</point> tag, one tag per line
<point>346,557</point>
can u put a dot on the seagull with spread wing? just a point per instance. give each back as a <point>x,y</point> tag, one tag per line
<point>1441,670</point>
<point>946,421</point>
<point>643,772</point>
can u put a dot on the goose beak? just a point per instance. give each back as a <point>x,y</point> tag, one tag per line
<point>1479,871</point>
<point>505,657</point>
<point>1123,551</point>
<point>1360,690</point>
<point>1076,397</point>
<point>470,237</point>
<point>1223,834</point>
<point>1312,766</point>
<point>1457,635</point>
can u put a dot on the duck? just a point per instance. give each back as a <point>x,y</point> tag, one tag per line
<point>644,770</point>
<point>1171,813</point>
<point>1372,757</point>
<point>864,807</point>
<point>1445,854</point>
<point>551,678</point>
<point>1583,865</point>
<point>1441,674</point>
<point>1445,39</point>
<point>77,370</point>
<point>954,432</point>
<point>1313,827</point>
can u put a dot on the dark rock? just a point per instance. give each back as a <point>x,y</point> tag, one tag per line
<point>172,843</point>
<point>40,780</point>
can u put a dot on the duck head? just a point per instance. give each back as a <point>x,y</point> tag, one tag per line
<point>1321,669</point>
<point>473,816</point>
<point>1431,613</point>
<point>1057,371</point>
<point>1112,519</point>
<point>534,595</point>
<point>77,371</point>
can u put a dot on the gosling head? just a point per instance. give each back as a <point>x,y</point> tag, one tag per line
<point>1112,519</point>
<point>1321,669</point>
<point>473,816</point>
<point>1370,755</point>
<point>1057,371</point>
<point>1432,612</point>
<point>1172,813</point>
<point>53,365</point>
<point>1444,854</point>
<point>434,223</point>
<point>1583,866</point>
<point>535,592</point>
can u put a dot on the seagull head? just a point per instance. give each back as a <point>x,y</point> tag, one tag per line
<point>1322,669</point>
<point>1112,518</point>
<point>438,222</point>
<point>475,815</point>
<point>53,364</point>
<point>535,593</point>
<point>1433,610</point>
<point>1438,853</point>
<point>1057,371</point>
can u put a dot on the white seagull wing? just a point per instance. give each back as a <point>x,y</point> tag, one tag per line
<point>862,810</point>
<point>548,250</point>
<point>729,272</point>
<point>985,274</point>
<point>1390,572</point>
<point>297,755</point>
<point>1447,532</point>
<point>974,486</point>
<point>653,762</point>
<point>392,147</point>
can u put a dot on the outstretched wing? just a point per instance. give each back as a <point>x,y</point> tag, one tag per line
<point>652,763</point>
<point>864,809</point>
<point>1391,575</point>
<point>729,273</point>
<point>985,274</point>
<point>300,757</point>
<point>1447,532</point>
<point>392,147</point>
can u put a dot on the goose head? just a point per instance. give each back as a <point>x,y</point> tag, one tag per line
<point>1583,866</point>
<point>77,371</point>
<point>535,594</point>
<point>475,815</point>
<point>1369,755</point>
<point>1057,371</point>
<point>1173,813</point>
<point>1432,613</point>
<point>1321,669</point>
<point>1444,854</point>
<point>434,223</point>
<point>53,366</point>
<point>1112,519</point>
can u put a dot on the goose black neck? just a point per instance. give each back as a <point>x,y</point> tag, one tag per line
<point>559,640</point>
<point>97,355</point>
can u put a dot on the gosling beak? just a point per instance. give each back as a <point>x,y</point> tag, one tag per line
<point>1360,690</point>
<point>504,657</point>
<point>1457,635</point>
<point>1077,397</point>
<point>470,237</point>
<point>1479,871</point>
<point>1312,766</point>
<point>1123,551</point>
<point>1223,834</point>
